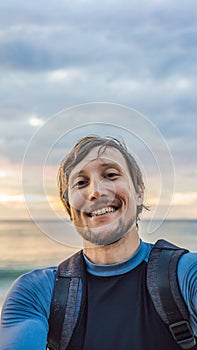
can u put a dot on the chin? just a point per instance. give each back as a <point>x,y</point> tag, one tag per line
<point>103,236</point>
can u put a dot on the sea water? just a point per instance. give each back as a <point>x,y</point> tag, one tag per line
<point>23,247</point>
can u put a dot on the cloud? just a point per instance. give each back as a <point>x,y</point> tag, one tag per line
<point>187,198</point>
<point>55,55</point>
<point>157,39</point>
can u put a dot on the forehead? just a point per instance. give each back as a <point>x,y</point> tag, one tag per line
<point>100,156</point>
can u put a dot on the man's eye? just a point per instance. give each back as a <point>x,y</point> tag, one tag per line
<point>112,175</point>
<point>80,183</point>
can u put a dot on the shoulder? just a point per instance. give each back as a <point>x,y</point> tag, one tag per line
<point>187,272</point>
<point>187,263</point>
<point>36,280</point>
<point>31,294</point>
<point>37,277</point>
<point>186,268</point>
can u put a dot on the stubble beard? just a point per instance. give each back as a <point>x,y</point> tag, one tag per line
<point>102,239</point>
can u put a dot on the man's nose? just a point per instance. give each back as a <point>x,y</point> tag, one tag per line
<point>95,189</point>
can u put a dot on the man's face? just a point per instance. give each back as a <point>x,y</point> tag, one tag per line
<point>102,197</point>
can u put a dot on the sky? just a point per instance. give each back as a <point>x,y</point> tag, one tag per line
<point>65,64</point>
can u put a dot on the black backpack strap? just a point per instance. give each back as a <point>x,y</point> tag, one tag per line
<point>163,287</point>
<point>66,302</point>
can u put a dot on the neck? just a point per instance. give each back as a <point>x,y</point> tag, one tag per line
<point>115,252</point>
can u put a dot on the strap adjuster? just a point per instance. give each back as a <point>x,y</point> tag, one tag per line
<point>183,334</point>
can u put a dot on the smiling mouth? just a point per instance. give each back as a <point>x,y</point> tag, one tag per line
<point>102,211</point>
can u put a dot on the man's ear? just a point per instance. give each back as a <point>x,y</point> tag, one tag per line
<point>140,196</point>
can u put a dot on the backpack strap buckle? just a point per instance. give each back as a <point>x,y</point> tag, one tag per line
<point>183,334</point>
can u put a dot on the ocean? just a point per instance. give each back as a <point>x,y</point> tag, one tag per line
<point>24,247</point>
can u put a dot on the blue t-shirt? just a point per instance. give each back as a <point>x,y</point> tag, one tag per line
<point>24,323</point>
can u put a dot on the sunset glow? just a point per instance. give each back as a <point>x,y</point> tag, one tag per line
<point>181,203</point>
<point>144,60</point>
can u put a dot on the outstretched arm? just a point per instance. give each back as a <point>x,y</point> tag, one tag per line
<point>24,321</point>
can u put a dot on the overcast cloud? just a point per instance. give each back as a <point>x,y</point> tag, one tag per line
<point>142,54</point>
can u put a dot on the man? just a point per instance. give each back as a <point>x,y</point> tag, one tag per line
<point>102,189</point>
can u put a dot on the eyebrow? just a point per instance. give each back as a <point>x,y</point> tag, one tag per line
<point>103,165</point>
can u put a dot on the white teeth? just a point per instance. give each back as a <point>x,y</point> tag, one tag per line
<point>102,211</point>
